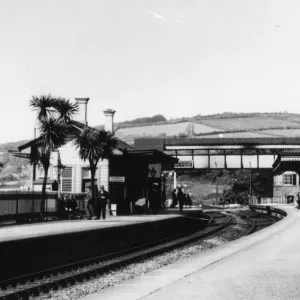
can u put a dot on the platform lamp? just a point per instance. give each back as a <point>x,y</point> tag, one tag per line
<point>59,169</point>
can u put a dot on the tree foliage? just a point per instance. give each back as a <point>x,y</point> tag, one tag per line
<point>94,145</point>
<point>53,115</point>
<point>146,120</point>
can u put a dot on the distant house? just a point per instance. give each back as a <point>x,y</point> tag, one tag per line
<point>286,170</point>
<point>125,175</point>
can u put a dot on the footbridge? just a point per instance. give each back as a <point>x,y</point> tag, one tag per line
<point>221,153</point>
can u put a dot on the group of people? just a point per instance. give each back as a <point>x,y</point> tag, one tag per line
<point>181,198</point>
<point>95,208</point>
<point>68,208</point>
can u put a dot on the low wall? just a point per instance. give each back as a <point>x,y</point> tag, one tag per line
<point>28,255</point>
<point>269,210</point>
<point>16,205</point>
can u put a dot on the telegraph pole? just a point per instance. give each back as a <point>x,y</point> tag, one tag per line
<point>250,183</point>
<point>217,183</point>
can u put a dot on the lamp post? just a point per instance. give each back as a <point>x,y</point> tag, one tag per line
<point>60,169</point>
<point>175,180</point>
<point>217,183</point>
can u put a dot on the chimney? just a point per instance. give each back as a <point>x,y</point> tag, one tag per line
<point>109,120</point>
<point>82,110</point>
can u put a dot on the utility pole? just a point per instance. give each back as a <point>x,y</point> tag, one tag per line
<point>250,188</point>
<point>175,180</point>
<point>217,183</point>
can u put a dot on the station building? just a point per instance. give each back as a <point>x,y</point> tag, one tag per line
<point>128,176</point>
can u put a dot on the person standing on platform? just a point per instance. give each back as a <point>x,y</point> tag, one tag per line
<point>189,198</point>
<point>181,198</point>
<point>89,204</point>
<point>174,198</point>
<point>103,198</point>
<point>298,201</point>
<point>153,198</point>
<point>163,199</point>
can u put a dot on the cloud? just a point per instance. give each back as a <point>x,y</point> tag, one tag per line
<point>157,16</point>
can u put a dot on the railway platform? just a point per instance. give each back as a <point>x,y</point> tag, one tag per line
<point>50,228</point>
<point>264,265</point>
<point>41,246</point>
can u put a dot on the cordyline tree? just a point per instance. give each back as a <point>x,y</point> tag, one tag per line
<point>53,116</point>
<point>94,145</point>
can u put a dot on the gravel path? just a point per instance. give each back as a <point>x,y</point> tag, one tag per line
<point>136,269</point>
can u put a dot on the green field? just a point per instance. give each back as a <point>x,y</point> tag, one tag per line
<point>249,123</point>
<point>164,130</point>
<point>256,125</point>
<point>246,134</point>
<point>283,132</point>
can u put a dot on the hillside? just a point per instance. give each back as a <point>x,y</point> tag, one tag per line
<point>14,168</point>
<point>221,125</point>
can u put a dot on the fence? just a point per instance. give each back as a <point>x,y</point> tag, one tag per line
<point>16,205</point>
<point>269,210</point>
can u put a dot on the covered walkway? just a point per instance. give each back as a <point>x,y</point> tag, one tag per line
<point>264,265</point>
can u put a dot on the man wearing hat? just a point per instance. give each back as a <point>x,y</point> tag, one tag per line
<point>103,198</point>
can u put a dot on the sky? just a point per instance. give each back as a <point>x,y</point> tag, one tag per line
<point>178,58</point>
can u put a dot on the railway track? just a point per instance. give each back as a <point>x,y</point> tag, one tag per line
<point>42,282</point>
<point>254,220</point>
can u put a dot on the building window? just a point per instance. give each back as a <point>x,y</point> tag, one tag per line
<point>40,172</point>
<point>67,179</point>
<point>289,179</point>
<point>86,173</point>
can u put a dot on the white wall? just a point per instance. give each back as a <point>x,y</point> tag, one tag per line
<point>69,155</point>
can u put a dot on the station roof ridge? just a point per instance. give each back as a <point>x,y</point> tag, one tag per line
<point>78,126</point>
<point>153,153</point>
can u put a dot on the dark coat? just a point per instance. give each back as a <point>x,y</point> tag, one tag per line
<point>180,197</point>
<point>103,197</point>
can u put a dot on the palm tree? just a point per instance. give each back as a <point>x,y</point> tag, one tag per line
<point>65,108</point>
<point>95,145</point>
<point>53,126</point>
<point>52,136</point>
<point>43,106</point>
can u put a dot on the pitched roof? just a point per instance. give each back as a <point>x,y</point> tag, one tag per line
<point>152,154</point>
<point>79,126</point>
<point>287,160</point>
